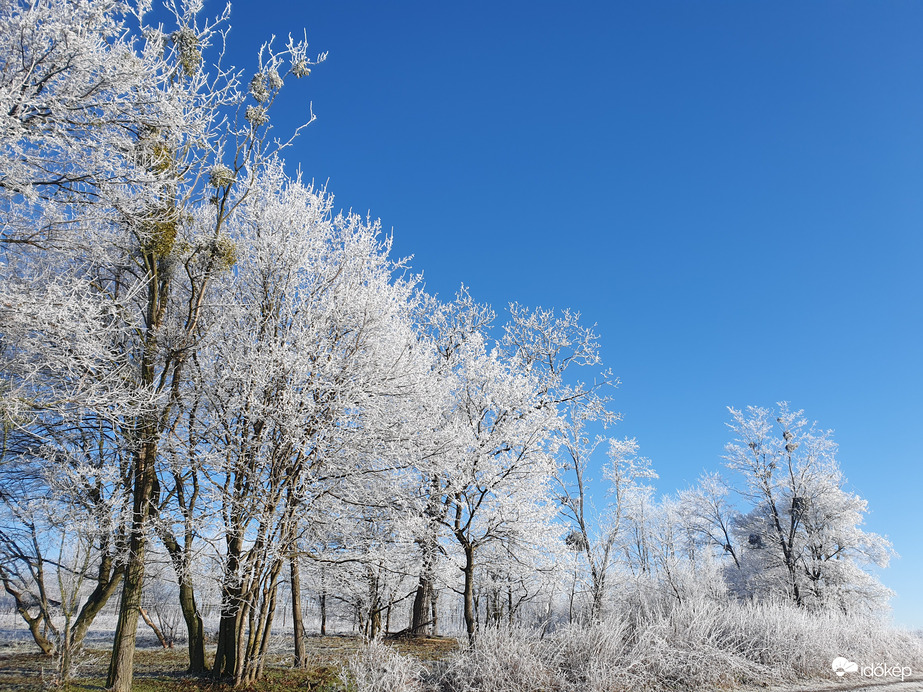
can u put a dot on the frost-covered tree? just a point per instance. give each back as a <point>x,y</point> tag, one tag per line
<point>309,393</point>
<point>709,515</point>
<point>553,345</point>
<point>119,170</point>
<point>444,329</point>
<point>499,487</point>
<point>633,505</point>
<point>802,535</point>
<point>60,489</point>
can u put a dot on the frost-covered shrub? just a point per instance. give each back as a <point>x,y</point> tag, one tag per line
<point>697,644</point>
<point>379,668</point>
<point>507,659</point>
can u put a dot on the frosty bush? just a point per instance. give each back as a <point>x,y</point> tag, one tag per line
<point>699,644</point>
<point>379,668</point>
<point>509,659</point>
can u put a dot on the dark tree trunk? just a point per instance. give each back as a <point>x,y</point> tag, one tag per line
<point>195,627</point>
<point>107,581</point>
<point>297,621</point>
<point>121,665</point>
<point>374,621</point>
<point>226,655</point>
<point>468,569</point>
<point>323,602</point>
<point>419,616</point>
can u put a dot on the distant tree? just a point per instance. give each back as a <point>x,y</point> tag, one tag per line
<point>633,509</point>
<point>558,347</point>
<point>801,537</point>
<point>710,516</point>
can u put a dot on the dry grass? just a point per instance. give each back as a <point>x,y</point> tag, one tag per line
<point>697,645</point>
<point>159,670</point>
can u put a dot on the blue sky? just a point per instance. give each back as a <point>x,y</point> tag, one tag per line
<point>731,191</point>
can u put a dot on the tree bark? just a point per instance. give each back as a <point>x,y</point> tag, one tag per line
<point>226,656</point>
<point>323,603</point>
<point>433,595</point>
<point>419,620</point>
<point>121,666</point>
<point>195,628</point>
<point>297,620</point>
<point>468,569</point>
<point>107,581</point>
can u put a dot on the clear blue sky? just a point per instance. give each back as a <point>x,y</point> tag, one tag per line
<point>730,190</point>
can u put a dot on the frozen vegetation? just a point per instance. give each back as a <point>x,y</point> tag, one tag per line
<point>225,406</point>
<point>696,644</point>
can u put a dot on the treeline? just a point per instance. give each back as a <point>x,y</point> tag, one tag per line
<point>205,367</point>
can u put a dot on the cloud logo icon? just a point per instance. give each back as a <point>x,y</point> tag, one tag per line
<point>841,666</point>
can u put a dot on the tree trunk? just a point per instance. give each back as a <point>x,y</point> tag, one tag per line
<point>599,590</point>
<point>252,659</point>
<point>121,665</point>
<point>153,625</point>
<point>509,605</point>
<point>297,621</point>
<point>374,622</point>
<point>107,581</point>
<point>419,617</point>
<point>433,595</point>
<point>226,656</point>
<point>180,559</point>
<point>468,569</point>
<point>195,627</point>
<point>34,623</point>
<point>67,652</point>
<point>35,629</point>
<point>374,614</point>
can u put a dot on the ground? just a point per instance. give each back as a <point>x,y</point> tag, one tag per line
<point>163,670</point>
<point>913,685</point>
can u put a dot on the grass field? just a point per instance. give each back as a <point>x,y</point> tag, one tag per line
<point>163,670</point>
<point>694,646</point>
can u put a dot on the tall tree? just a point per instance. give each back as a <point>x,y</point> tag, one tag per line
<point>306,392</point>
<point>499,488</point>
<point>554,345</point>
<point>120,170</point>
